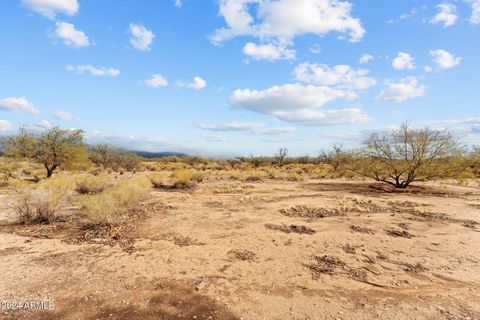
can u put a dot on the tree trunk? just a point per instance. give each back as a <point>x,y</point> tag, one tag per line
<point>50,170</point>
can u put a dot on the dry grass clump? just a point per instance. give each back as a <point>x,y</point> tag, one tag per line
<point>157,180</point>
<point>40,205</point>
<point>91,184</point>
<point>254,176</point>
<point>115,204</point>
<point>8,170</point>
<point>182,177</point>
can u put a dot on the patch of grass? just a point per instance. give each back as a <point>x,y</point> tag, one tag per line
<point>91,184</point>
<point>116,204</point>
<point>39,206</point>
<point>182,178</point>
<point>157,180</point>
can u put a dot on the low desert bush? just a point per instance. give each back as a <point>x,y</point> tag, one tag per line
<point>182,178</point>
<point>157,180</point>
<point>39,205</point>
<point>91,184</point>
<point>253,176</point>
<point>8,169</point>
<point>114,205</point>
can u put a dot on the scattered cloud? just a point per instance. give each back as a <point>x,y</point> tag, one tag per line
<point>216,138</point>
<point>96,72</point>
<point>140,37</point>
<point>428,69</point>
<point>320,117</point>
<point>43,125</point>
<point>50,8</point>
<point>5,126</point>
<point>18,105</point>
<point>271,21</point>
<point>156,81</point>
<point>404,61</point>
<point>269,52</point>
<point>475,16</point>
<point>63,115</point>
<point>404,16</point>
<point>341,76</point>
<point>444,59</point>
<point>70,36</point>
<point>299,104</point>
<point>287,97</point>
<point>447,15</point>
<point>252,127</point>
<point>178,3</point>
<point>404,89</point>
<point>366,58</point>
<point>197,84</point>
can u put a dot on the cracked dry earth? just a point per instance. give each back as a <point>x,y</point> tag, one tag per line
<point>271,250</point>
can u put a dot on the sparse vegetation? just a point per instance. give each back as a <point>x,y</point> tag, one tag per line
<point>408,155</point>
<point>55,148</point>
<point>39,205</point>
<point>116,204</point>
<point>90,184</point>
<point>109,157</point>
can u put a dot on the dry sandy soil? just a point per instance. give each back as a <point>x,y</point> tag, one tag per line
<point>319,249</point>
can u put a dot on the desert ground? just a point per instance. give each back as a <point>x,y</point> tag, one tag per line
<point>311,249</point>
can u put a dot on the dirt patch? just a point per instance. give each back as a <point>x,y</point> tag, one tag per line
<point>306,212</point>
<point>324,265</point>
<point>290,229</point>
<point>415,268</point>
<point>111,235</point>
<point>350,249</point>
<point>399,233</point>
<point>360,229</point>
<point>241,254</point>
<point>10,251</point>
<point>168,300</point>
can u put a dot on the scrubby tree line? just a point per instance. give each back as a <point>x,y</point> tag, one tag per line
<point>65,149</point>
<point>400,157</point>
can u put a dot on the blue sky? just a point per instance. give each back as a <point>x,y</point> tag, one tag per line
<point>237,77</point>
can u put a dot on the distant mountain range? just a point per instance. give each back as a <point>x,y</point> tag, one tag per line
<point>148,155</point>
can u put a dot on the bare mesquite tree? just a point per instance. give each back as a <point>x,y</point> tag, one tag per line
<point>114,158</point>
<point>53,148</point>
<point>407,155</point>
<point>337,157</point>
<point>280,156</point>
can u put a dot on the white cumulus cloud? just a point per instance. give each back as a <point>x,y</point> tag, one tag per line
<point>140,37</point>
<point>447,15</point>
<point>342,76</point>
<point>403,61</point>
<point>70,35</point>
<point>197,84</point>
<point>366,58</point>
<point>404,89</point>
<point>283,20</point>
<point>50,8</point>
<point>157,80</point>
<point>475,16</point>
<point>63,115</point>
<point>444,59</point>
<point>269,52</point>
<point>96,72</point>
<point>299,104</point>
<point>14,104</point>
